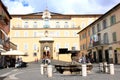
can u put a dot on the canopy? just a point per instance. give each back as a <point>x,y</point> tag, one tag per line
<point>14,52</point>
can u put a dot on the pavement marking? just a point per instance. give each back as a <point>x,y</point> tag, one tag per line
<point>3,75</point>
<point>13,76</point>
<point>8,73</point>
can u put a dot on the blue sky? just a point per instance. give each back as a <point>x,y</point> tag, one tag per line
<point>60,6</point>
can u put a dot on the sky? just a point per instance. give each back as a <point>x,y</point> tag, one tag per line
<point>60,6</point>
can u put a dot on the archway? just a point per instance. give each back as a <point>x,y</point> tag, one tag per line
<point>46,49</point>
<point>46,52</point>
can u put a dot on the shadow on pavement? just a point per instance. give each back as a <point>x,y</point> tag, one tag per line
<point>2,78</point>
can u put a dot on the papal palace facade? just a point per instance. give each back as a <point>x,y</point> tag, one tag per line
<point>47,32</point>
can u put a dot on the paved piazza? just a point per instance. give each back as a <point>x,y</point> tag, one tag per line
<point>32,72</point>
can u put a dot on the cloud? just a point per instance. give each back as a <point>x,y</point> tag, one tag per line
<point>18,6</point>
<point>60,6</point>
<point>25,3</point>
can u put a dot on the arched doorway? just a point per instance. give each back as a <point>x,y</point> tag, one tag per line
<point>46,49</point>
<point>46,52</point>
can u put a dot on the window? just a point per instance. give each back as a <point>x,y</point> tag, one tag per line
<point>93,29</point>
<point>25,34</point>
<point>57,34</point>
<point>57,25</point>
<point>114,36</point>
<point>17,34</point>
<point>35,47</point>
<point>66,25</point>
<point>66,33</point>
<point>46,24</point>
<point>85,35</point>
<point>88,32</point>
<point>66,45</point>
<point>82,35</point>
<point>106,38</point>
<point>74,34</point>
<point>26,25</point>
<point>112,20</point>
<point>73,25</point>
<point>17,25</point>
<point>35,25</point>
<point>35,34</point>
<point>98,27</point>
<point>104,24</point>
<point>25,46</point>
<point>83,25</point>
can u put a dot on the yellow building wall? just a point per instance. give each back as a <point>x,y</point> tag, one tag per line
<point>64,57</point>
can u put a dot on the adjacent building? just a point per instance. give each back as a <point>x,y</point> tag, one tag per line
<point>100,40</point>
<point>43,34</point>
<point>5,43</point>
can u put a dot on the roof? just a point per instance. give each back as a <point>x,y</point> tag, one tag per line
<point>5,9</point>
<point>41,13</point>
<point>104,15</point>
<point>53,13</point>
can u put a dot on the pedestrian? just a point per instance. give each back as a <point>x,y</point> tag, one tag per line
<point>83,59</point>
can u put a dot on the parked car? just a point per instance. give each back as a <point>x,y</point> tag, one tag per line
<point>21,65</point>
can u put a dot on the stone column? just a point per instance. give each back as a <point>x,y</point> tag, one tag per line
<point>84,70</point>
<point>49,70</point>
<point>111,69</point>
<point>42,69</point>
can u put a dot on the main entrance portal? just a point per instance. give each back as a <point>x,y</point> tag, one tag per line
<point>46,49</point>
<point>46,52</point>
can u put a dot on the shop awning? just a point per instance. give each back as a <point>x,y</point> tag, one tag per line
<point>14,53</point>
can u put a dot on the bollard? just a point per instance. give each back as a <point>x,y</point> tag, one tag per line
<point>49,70</point>
<point>111,69</point>
<point>101,67</point>
<point>106,68</point>
<point>84,70</point>
<point>42,69</point>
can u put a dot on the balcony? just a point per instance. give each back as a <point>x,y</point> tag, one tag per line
<point>100,43</point>
<point>46,26</point>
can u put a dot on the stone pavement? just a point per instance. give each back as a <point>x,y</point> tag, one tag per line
<point>32,72</point>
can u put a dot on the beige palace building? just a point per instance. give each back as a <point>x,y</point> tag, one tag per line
<point>44,33</point>
<point>100,40</point>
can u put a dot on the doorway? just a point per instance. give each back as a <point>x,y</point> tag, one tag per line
<point>94,57</point>
<point>100,55</point>
<point>46,49</point>
<point>115,56</point>
<point>107,56</point>
<point>46,52</point>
